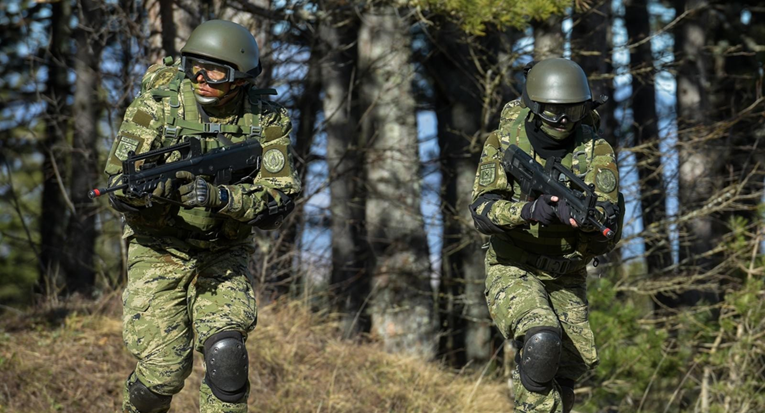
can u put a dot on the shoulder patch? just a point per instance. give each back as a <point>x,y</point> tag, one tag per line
<point>272,133</point>
<point>142,118</point>
<point>487,173</point>
<point>605,180</point>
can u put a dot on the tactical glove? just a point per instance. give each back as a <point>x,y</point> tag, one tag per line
<point>164,190</point>
<point>199,193</point>
<point>547,211</point>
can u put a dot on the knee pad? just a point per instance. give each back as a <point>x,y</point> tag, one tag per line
<point>539,358</point>
<point>227,366</point>
<point>145,400</point>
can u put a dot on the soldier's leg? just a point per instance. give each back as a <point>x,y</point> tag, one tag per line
<point>223,312</point>
<point>569,299</point>
<point>520,307</point>
<point>156,328</point>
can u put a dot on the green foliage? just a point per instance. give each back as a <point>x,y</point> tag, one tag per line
<point>475,15</point>
<point>634,355</point>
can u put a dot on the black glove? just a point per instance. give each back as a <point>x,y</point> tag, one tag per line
<point>199,193</point>
<point>546,211</point>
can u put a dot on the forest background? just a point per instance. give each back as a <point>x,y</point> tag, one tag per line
<point>391,102</point>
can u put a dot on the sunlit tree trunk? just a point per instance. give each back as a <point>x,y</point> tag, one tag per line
<point>548,38</point>
<point>458,101</point>
<point>350,276</point>
<point>402,304</point>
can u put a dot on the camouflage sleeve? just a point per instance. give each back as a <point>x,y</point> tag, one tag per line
<point>491,179</point>
<point>603,173</point>
<point>140,132</point>
<point>277,172</point>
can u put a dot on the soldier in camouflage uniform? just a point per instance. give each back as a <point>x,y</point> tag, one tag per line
<point>537,255</point>
<point>188,283</point>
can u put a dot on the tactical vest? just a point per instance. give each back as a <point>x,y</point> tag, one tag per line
<point>549,240</point>
<point>197,226</point>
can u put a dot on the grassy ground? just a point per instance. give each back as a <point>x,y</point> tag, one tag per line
<point>77,363</point>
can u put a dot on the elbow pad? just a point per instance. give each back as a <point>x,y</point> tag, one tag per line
<point>481,221</point>
<point>275,212</point>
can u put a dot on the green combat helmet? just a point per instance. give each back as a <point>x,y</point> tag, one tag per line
<point>557,91</point>
<point>221,51</point>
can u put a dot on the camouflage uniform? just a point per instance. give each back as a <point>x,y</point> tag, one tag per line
<point>526,284</point>
<point>187,268</point>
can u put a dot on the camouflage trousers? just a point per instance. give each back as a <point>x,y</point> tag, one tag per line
<point>520,298</point>
<point>174,301</point>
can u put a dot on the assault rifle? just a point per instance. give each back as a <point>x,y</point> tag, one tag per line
<point>222,163</point>
<point>535,180</point>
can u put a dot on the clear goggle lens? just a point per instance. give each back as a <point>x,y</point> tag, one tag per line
<point>212,72</point>
<point>556,112</point>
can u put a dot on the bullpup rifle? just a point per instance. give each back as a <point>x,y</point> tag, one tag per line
<point>535,180</point>
<point>142,173</point>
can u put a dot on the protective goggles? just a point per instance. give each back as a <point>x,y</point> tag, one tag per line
<point>554,113</point>
<point>214,73</point>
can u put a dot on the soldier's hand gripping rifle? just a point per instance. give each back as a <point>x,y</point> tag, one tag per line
<point>222,163</point>
<point>535,180</point>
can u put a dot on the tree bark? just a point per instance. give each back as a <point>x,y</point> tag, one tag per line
<point>54,208</point>
<point>81,231</point>
<point>548,38</point>
<point>591,47</point>
<point>458,103</point>
<point>645,133</point>
<point>402,303</point>
<point>699,172</point>
<point>350,276</point>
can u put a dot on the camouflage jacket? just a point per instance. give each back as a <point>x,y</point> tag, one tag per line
<point>165,111</point>
<point>592,159</point>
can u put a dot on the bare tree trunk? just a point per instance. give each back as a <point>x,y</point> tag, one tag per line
<point>282,272</point>
<point>170,24</point>
<point>54,208</point>
<point>700,170</point>
<point>350,277</point>
<point>645,133</point>
<point>402,304</point>
<point>81,232</point>
<point>458,103</point>
<point>548,38</point>
<point>591,47</point>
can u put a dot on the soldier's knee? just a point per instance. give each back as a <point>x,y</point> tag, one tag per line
<point>539,358</point>
<point>145,400</point>
<point>227,366</point>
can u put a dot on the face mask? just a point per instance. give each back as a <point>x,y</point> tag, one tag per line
<point>558,131</point>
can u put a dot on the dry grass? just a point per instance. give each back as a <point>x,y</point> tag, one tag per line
<point>297,365</point>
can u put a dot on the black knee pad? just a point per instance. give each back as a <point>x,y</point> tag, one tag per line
<point>539,358</point>
<point>227,366</point>
<point>145,400</point>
